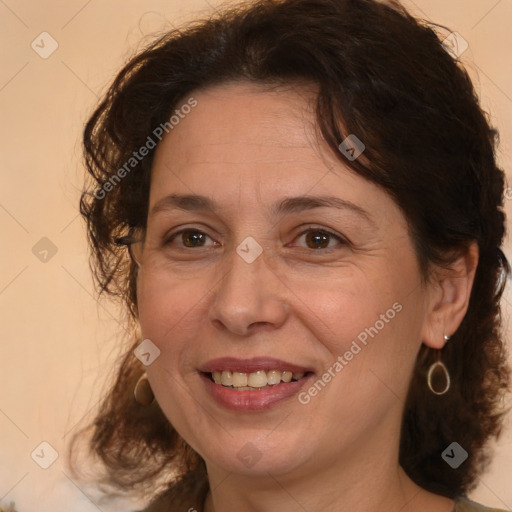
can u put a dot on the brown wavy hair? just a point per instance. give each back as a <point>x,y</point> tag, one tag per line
<point>383,75</point>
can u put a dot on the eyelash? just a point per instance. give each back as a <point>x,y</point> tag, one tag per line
<point>168,240</point>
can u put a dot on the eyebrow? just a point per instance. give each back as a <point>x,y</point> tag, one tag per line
<point>194,202</point>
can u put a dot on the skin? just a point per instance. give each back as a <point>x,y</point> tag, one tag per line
<point>247,148</point>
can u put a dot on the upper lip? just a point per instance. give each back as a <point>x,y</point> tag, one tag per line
<point>251,365</point>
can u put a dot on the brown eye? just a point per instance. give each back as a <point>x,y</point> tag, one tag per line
<point>320,239</point>
<point>317,239</point>
<point>190,238</point>
<point>193,238</point>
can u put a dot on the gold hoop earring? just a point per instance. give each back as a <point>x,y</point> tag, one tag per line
<point>439,366</point>
<point>143,393</point>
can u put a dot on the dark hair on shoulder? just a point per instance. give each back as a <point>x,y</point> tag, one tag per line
<point>380,74</point>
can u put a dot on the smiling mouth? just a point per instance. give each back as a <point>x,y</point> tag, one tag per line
<point>254,381</point>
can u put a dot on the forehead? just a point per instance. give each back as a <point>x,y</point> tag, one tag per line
<point>244,120</point>
<point>244,143</point>
<point>239,128</point>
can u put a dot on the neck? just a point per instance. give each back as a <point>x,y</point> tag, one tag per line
<point>368,478</point>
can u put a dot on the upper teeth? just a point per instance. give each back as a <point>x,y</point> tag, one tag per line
<point>258,379</point>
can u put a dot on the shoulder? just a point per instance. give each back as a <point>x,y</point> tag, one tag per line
<point>463,504</point>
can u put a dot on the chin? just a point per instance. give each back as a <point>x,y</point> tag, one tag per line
<point>246,455</point>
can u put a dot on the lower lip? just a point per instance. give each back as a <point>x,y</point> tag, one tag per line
<point>256,400</point>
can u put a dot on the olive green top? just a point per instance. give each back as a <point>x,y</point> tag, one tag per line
<point>166,503</point>
<point>466,505</point>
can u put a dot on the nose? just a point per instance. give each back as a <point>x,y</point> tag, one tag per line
<point>248,297</point>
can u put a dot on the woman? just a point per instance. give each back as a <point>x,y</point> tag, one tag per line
<point>313,210</point>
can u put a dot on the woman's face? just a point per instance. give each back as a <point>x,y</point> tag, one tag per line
<point>264,282</point>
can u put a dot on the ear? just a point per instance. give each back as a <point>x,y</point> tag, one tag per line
<point>448,297</point>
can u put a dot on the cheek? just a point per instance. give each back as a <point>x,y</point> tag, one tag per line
<point>338,309</point>
<point>371,319</point>
<point>166,309</point>
<point>169,318</point>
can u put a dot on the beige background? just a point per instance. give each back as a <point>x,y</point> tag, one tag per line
<point>57,342</point>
